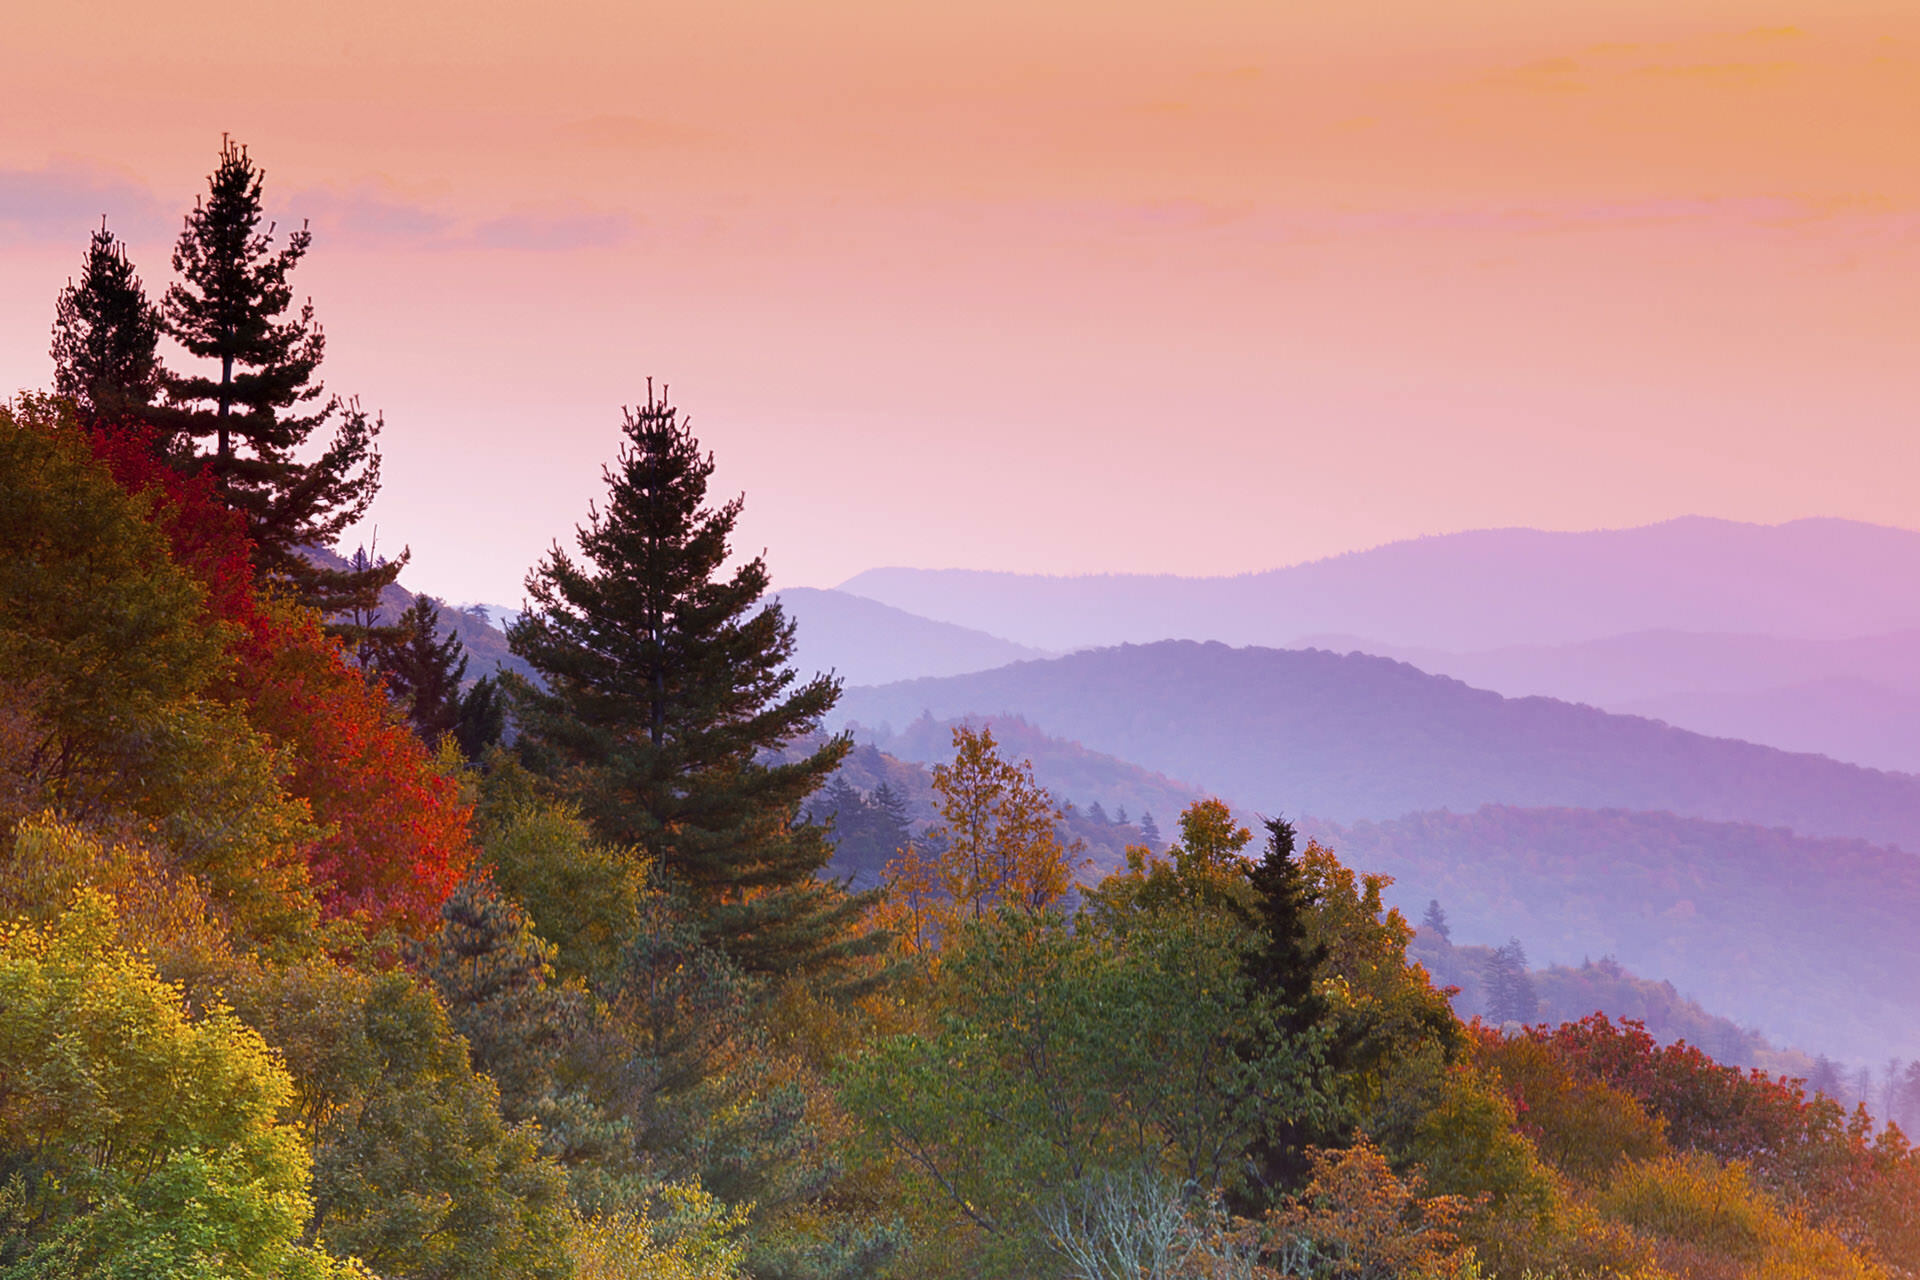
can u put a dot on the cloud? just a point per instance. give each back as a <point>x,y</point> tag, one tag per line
<point>368,216</point>
<point>63,203</point>
<point>371,216</point>
<point>556,233</point>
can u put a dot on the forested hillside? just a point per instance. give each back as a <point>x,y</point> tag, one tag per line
<point>1345,737</point>
<point>322,960</point>
<point>1806,939</point>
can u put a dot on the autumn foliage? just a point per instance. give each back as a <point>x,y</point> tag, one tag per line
<point>394,839</point>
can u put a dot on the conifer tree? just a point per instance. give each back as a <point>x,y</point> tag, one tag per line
<point>667,691</point>
<point>424,669</point>
<point>1435,922</point>
<point>1510,992</point>
<point>260,402</point>
<point>106,335</point>
<point>1283,966</point>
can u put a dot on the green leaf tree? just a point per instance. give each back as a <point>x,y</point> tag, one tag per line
<point>136,1141</point>
<point>667,691</point>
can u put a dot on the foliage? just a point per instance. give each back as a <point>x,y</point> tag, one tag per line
<point>393,838</point>
<point>260,405</point>
<point>106,335</point>
<point>997,844</point>
<point>423,670</point>
<point>665,683</point>
<point>583,896</point>
<point>415,1171</point>
<point>135,1141</point>
<point>693,1239</point>
<point>1710,1223</point>
<point>114,669</point>
<point>1355,1220</point>
<point>1817,1159</point>
<point>1055,1056</point>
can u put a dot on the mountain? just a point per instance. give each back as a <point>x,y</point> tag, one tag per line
<point>871,643</point>
<point>480,634</point>
<point>1346,737</point>
<point>1466,591</point>
<point>863,848</point>
<point>1855,699</point>
<point>1812,940</point>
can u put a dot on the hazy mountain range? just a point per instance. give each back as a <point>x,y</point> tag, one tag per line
<point>1466,591</point>
<point>1347,737</point>
<point>1811,939</point>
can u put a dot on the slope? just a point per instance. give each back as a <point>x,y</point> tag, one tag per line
<point>1343,737</point>
<point>1464,591</point>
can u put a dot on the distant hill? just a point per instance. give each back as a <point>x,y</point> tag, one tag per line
<point>866,642</point>
<point>1812,941</point>
<point>1856,699</point>
<point>1345,737</point>
<point>1570,992</point>
<point>859,858</point>
<point>1466,591</point>
<point>485,643</point>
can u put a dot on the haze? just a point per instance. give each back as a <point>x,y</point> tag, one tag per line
<point>1059,287</point>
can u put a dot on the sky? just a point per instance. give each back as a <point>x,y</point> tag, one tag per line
<point>1077,287</point>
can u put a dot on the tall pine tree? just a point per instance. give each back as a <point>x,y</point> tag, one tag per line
<point>106,336</point>
<point>260,403</point>
<point>424,669</point>
<point>668,694</point>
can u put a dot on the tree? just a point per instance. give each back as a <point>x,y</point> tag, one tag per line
<point>667,688</point>
<point>997,844</point>
<point>423,670</point>
<point>136,1140</point>
<point>106,335</point>
<point>1283,965</point>
<point>1149,830</point>
<point>1510,993</point>
<point>1435,921</point>
<point>263,405</point>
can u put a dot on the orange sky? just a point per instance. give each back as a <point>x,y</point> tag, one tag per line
<point>1197,287</point>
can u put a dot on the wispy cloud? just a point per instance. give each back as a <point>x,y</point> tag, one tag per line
<point>554,233</point>
<point>65,201</point>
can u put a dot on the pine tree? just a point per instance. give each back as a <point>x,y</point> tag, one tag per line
<point>1510,992</point>
<point>106,335</point>
<point>262,405</point>
<point>1285,963</point>
<point>483,718</point>
<point>1282,966</point>
<point>667,688</point>
<point>424,669</point>
<point>1435,921</point>
<point>1149,830</point>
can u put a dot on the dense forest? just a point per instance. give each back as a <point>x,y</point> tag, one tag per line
<point>321,958</point>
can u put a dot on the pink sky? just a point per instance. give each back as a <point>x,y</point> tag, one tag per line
<point>1193,288</point>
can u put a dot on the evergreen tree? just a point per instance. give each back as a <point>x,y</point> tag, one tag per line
<point>423,670</point>
<point>1149,830</point>
<point>1435,921</point>
<point>483,718</point>
<point>1510,992</point>
<point>891,827</point>
<point>106,335</point>
<point>1286,961</point>
<point>667,693</point>
<point>261,404</point>
<point>1282,966</point>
